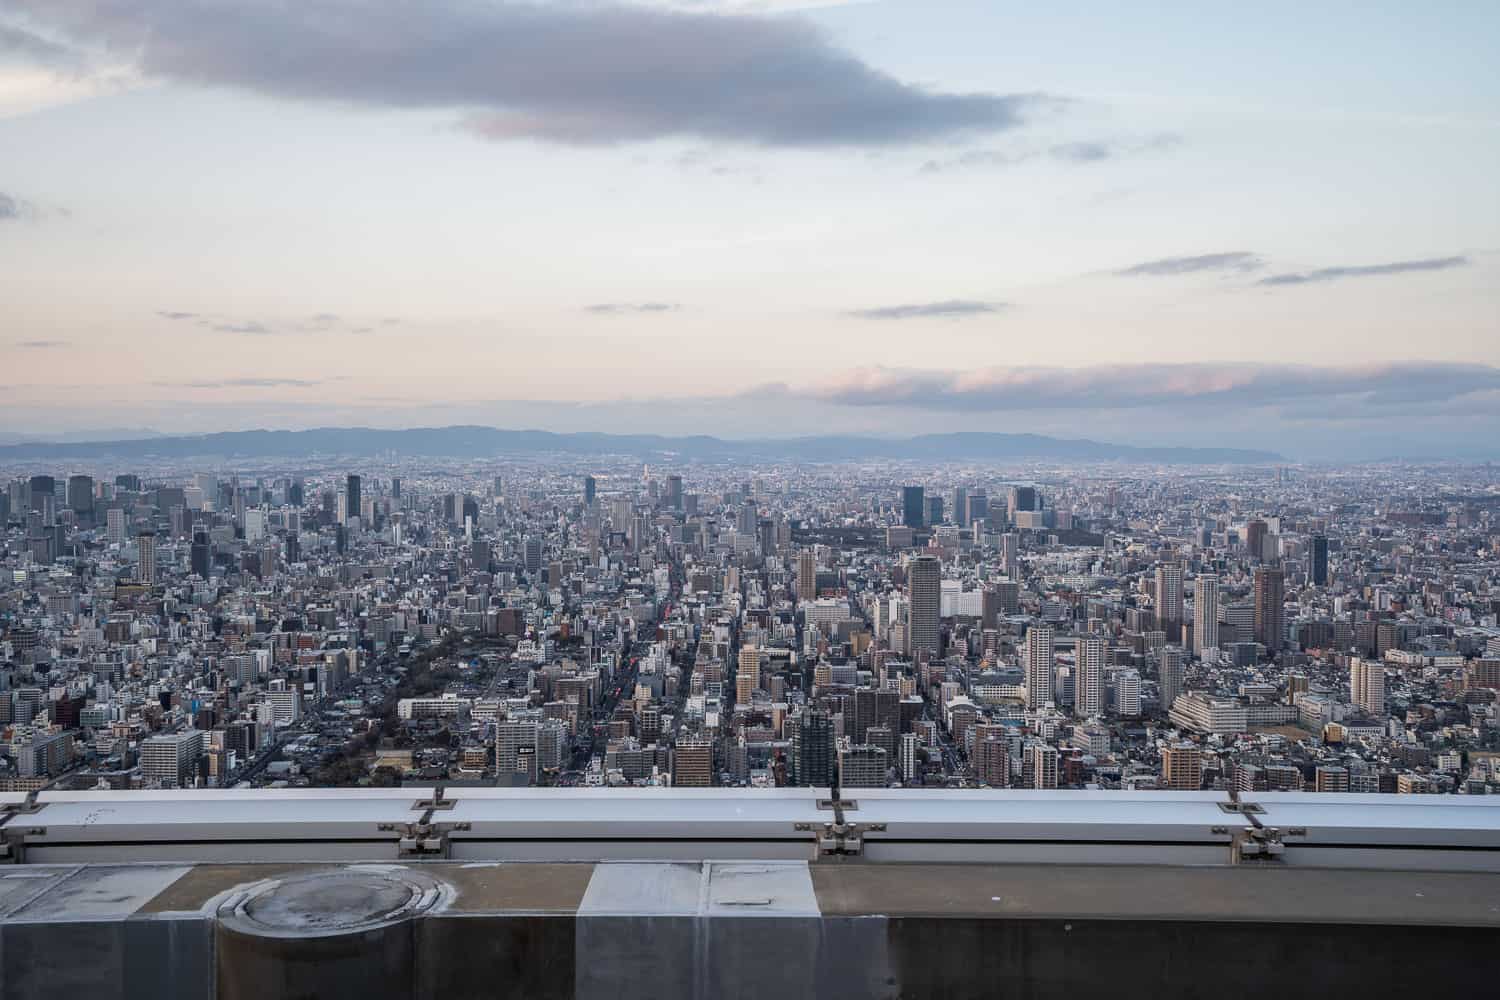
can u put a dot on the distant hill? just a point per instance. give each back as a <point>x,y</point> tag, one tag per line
<point>481,442</point>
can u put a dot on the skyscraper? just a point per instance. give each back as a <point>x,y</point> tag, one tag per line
<point>1255,537</point>
<point>1367,686</point>
<point>1170,676</point>
<point>924,580</point>
<point>1010,555</point>
<point>1039,663</point>
<point>1320,560</point>
<point>961,506</point>
<point>1270,613</point>
<point>693,763</point>
<point>813,753</point>
<point>1088,696</point>
<point>352,497</point>
<point>145,548</point>
<point>1169,599</point>
<point>674,492</point>
<point>913,507</point>
<point>1206,614</point>
<point>589,489</point>
<point>807,575</point>
<point>81,497</point>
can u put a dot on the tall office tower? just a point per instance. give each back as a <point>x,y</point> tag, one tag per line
<point>1270,612</point>
<point>202,555</point>
<point>693,762</point>
<point>1039,663</point>
<point>128,483</point>
<point>145,548</point>
<point>1255,537</point>
<point>813,750</point>
<point>1182,768</point>
<point>1088,694</point>
<point>807,575</point>
<point>1021,498</point>
<point>1040,765</point>
<point>1009,594</point>
<point>1206,614</point>
<point>352,497</point>
<point>81,497</point>
<point>590,489</point>
<point>907,755</point>
<point>1169,599</point>
<point>766,528</point>
<point>913,507</point>
<point>42,486</point>
<point>979,506</point>
<point>1367,686</point>
<point>924,583</point>
<point>934,515</point>
<point>989,607</point>
<point>1320,560</point>
<point>961,506</point>
<point>1010,555</point>
<point>296,492</point>
<point>114,525</point>
<point>674,492</point>
<point>1170,676</point>
<point>873,707</point>
<point>747,520</point>
<point>533,554</point>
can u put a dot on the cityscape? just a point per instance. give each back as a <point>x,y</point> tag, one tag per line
<point>620,621</point>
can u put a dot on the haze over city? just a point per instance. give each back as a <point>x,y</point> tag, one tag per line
<point>755,220</point>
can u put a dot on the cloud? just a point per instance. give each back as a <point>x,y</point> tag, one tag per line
<point>1364,271</point>
<point>569,73</point>
<point>244,383</point>
<point>15,41</point>
<point>626,308</point>
<point>949,309</point>
<point>1078,153</point>
<point>42,345</point>
<point>1234,260</point>
<point>248,327</point>
<point>1110,387</point>
<point>173,315</point>
<point>13,209</point>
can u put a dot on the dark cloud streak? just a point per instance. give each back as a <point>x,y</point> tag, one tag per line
<point>1234,260</point>
<point>568,73</point>
<point>628,308</point>
<point>949,309</point>
<point>1364,271</point>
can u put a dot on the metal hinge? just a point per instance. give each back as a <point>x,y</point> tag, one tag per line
<point>1256,843</point>
<point>423,840</point>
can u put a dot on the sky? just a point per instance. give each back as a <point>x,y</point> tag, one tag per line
<point>1169,223</point>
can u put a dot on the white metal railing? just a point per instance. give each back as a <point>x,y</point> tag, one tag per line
<point>877,825</point>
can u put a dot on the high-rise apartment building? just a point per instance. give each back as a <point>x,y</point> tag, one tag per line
<point>171,759</point>
<point>1367,686</point>
<point>1088,692</point>
<point>1170,676</point>
<point>807,575</point>
<point>1270,610</point>
<point>145,552</point>
<point>924,581</point>
<point>1182,768</point>
<point>1169,599</point>
<point>1010,555</point>
<point>693,762</point>
<point>1206,614</point>
<point>1039,666</point>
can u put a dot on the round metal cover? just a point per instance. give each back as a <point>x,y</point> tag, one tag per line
<point>333,902</point>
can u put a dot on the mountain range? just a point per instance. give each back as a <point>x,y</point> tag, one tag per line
<point>483,442</point>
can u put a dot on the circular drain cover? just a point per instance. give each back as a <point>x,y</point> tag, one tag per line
<point>330,902</point>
